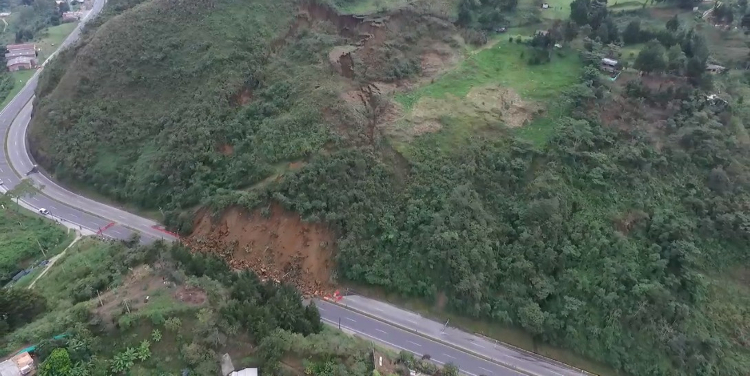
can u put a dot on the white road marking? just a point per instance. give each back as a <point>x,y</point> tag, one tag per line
<point>390,344</point>
<point>480,346</point>
<point>375,308</point>
<point>350,319</point>
<point>382,331</point>
<point>414,343</point>
<point>412,321</point>
<point>452,357</point>
<point>485,369</point>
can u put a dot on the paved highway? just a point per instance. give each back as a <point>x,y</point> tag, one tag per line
<point>90,216</point>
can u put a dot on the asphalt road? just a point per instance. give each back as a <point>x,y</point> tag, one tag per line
<point>77,211</point>
<point>525,361</point>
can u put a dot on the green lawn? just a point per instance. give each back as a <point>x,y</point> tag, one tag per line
<point>503,65</point>
<point>468,92</point>
<point>20,78</point>
<point>51,39</point>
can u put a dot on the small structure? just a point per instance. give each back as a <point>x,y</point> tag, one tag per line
<point>713,68</point>
<point>545,6</point>
<point>609,65</point>
<point>4,14</point>
<point>226,365</point>
<point>543,33</point>
<point>20,56</point>
<point>71,16</point>
<point>21,364</point>
<point>246,372</point>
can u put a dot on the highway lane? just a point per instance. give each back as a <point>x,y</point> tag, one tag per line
<point>400,339</point>
<point>519,359</point>
<point>80,211</point>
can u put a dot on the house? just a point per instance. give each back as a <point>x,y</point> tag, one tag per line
<point>246,372</point>
<point>71,16</point>
<point>20,56</point>
<point>609,65</point>
<point>713,68</point>
<point>21,364</point>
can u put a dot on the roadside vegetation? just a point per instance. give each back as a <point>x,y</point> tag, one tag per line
<point>496,173</point>
<point>114,308</point>
<point>26,239</point>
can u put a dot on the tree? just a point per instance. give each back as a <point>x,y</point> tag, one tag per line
<point>570,30</point>
<point>19,306</point>
<point>632,33</point>
<point>673,24</point>
<point>450,369</point>
<point>25,187</point>
<point>57,364</point>
<point>144,351</point>
<point>579,12</point>
<point>651,58</point>
<point>676,60</point>
<point>745,22</point>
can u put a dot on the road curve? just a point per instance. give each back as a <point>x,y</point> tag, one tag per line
<point>78,211</point>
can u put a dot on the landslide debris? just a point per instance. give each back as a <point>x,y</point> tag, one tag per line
<point>273,242</point>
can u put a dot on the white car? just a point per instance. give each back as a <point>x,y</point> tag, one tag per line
<point>43,211</point>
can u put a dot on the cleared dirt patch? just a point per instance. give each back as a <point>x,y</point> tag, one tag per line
<point>273,242</point>
<point>142,282</point>
<point>190,295</point>
<point>482,106</point>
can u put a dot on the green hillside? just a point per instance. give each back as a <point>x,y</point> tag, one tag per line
<point>502,178</point>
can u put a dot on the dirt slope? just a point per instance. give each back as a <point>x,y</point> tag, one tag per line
<point>277,245</point>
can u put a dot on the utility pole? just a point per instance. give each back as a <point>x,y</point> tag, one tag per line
<point>446,324</point>
<point>339,323</point>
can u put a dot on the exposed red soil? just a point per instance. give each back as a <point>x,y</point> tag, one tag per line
<point>277,246</point>
<point>226,149</point>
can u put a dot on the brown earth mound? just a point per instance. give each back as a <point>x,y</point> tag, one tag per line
<point>277,246</point>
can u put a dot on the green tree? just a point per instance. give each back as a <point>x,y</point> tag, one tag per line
<point>673,24</point>
<point>156,335</point>
<point>632,33</point>
<point>651,58</point>
<point>450,369</point>
<point>57,364</point>
<point>144,351</point>
<point>18,307</point>
<point>676,60</point>
<point>25,188</point>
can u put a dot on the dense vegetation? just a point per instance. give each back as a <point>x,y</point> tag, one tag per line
<point>621,240</point>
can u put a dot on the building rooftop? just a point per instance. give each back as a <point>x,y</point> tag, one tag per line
<point>19,60</point>
<point>17,53</point>
<point>21,46</point>
<point>244,372</point>
<point>609,61</point>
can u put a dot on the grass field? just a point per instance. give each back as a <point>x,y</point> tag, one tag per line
<point>19,78</point>
<point>365,7</point>
<point>22,238</point>
<point>502,67</point>
<point>51,39</point>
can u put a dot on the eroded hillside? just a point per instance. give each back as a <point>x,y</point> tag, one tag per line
<point>512,182</point>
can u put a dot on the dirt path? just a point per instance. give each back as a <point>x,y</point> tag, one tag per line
<point>53,260</point>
